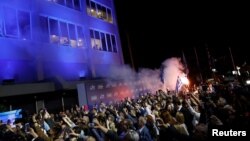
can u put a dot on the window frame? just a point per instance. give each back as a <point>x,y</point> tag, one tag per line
<point>103,15</point>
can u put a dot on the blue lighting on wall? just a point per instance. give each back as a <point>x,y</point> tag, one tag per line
<point>8,70</point>
<point>82,73</point>
<point>29,52</point>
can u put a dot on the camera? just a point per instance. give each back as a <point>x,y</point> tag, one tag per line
<point>26,127</point>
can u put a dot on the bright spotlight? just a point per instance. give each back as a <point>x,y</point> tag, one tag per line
<point>184,80</point>
<point>248,82</point>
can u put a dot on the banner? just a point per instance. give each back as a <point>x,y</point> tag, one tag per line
<point>10,115</point>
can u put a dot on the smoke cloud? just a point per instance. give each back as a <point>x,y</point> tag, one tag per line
<point>152,80</point>
<point>172,69</point>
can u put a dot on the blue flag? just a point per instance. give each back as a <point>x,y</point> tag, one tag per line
<point>178,84</point>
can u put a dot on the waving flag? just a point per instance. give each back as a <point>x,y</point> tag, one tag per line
<point>178,84</point>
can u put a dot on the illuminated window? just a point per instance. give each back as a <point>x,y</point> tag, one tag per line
<point>95,42</point>
<point>110,19</point>
<point>93,9</point>
<point>98,10</point>
<point>64,39</point>
<point>61,32</point>
<point>80,37</point>
<point>24,25</point>
<point>109,42</point>
<point>72,35</point>
<point>44,35</point>
<point>103,41</point>
<point>104,46</point>
<point>113,41</point>
<point>54,31</point>
<point>88,7</point>
<point>104,13</point>
<point>10,22</point>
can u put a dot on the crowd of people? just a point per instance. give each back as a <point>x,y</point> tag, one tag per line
<point>156,116</point>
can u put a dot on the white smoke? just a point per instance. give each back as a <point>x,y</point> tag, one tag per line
<point>172,69</point>
<point>148,78</point>
<point>124,72</point>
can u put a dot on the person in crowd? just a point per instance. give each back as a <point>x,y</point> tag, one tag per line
<point>152,117</point>
<point>143,130</point>
<point>180,126</point>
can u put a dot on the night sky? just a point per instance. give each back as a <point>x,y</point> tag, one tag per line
<point>156,31</point>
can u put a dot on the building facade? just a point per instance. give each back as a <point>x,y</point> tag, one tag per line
<point>64,39</point>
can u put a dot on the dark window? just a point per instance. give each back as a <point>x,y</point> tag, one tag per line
<point>104,46</point>
<point>64,39</point>
<point>109,42</point>
<point>77,4</point>
<point>72,35</point>
<point>72,31</point>
<point>113,43</point>
<point>88,3</point>
<point>91,33</point>
<point>10,22</point>
<point>43,21</point>
<point>54,31</point>
<point>80,40</point>
<point>97,36</point>
<point>109,15</point>
<point>24,25</point>
<point>53,24</point>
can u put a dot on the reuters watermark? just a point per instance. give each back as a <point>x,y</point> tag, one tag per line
<point>216,133</point>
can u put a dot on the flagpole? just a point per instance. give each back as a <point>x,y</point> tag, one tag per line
<point>185,62</point>
<point>198,64</point>
<point>130,51</point>
<point>209,59</point>
<point>232,58</point>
